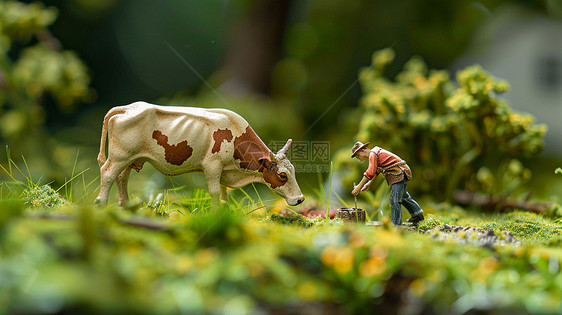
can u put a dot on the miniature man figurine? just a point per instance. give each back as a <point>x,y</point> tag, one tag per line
<point>397,174</point>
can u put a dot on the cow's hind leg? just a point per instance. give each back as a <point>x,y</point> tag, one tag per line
<point>122,181</point>
<point>108,173</point>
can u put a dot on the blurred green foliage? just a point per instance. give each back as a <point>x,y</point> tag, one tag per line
<point>10,208</point>
<point>453,136</point>
<point>34,71</point>
<point>60,74</point>
<point>103,259</point>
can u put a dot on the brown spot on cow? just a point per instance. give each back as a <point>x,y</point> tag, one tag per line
<point>137,166</point>
<point>219,136</point>
<point>249,149</point>
<point>175,154</point>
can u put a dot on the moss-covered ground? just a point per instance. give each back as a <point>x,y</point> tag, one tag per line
<point>71,258</point>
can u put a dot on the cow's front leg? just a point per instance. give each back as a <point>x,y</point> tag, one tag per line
<point>213,175</point>
<point>122,181</point>
<point>224,194</point>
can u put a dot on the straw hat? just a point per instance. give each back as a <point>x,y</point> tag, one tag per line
<point>358,146</point>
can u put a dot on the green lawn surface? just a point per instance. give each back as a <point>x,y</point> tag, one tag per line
<point>154,259</point>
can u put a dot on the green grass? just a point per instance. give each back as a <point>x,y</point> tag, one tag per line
<point>174,254</point>
<point>109,260</point>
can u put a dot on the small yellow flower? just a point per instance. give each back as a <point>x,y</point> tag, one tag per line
<point>372,267</point>
<point>344,260</point>
<point>340,258</point>
<point>356,240</point>
<point>329,256</point>
<point>488,264</point>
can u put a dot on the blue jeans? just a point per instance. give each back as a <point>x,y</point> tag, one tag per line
<point>399,196</point>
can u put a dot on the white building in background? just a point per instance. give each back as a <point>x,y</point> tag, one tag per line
<point>526,50</point>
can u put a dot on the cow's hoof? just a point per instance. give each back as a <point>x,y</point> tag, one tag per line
<point>100,202</point>
<point>125,203</point>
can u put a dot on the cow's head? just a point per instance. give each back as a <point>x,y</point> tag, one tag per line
<point>279,174</point>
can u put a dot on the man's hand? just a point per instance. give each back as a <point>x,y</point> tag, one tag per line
<point>356,190</point>
<point>366,186</point>
<point>363,185</point>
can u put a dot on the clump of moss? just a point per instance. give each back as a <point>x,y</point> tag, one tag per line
<point>291,220</point>
<point>42,196</point>
<point>524,225</point>
<point>429,224</point>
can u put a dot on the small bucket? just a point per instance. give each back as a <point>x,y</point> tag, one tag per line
<point>351,214</point>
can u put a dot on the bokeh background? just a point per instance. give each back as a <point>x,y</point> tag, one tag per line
<point>289,67</point>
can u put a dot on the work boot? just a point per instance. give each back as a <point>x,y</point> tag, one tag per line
<point>415,219</point>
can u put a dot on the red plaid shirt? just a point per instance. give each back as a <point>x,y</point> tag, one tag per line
<point>382,161</point>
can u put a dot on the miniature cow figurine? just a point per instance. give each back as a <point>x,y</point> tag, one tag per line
<point>177,140</point>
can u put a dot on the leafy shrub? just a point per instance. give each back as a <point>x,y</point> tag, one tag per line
<point>42,67</point>
<point>453,136</point>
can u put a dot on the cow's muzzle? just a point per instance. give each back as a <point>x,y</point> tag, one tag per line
<point>297,201</point>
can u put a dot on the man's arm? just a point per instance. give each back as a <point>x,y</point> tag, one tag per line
<point>367,185</point>
<point>359,187</point>
<point>371,171</point>
<point>368,176</point>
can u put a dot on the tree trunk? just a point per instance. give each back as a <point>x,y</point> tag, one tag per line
<point>255,47</point>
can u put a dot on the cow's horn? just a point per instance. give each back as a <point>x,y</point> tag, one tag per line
<point>286,147</point>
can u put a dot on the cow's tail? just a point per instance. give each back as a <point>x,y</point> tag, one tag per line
<point>104,132</point>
